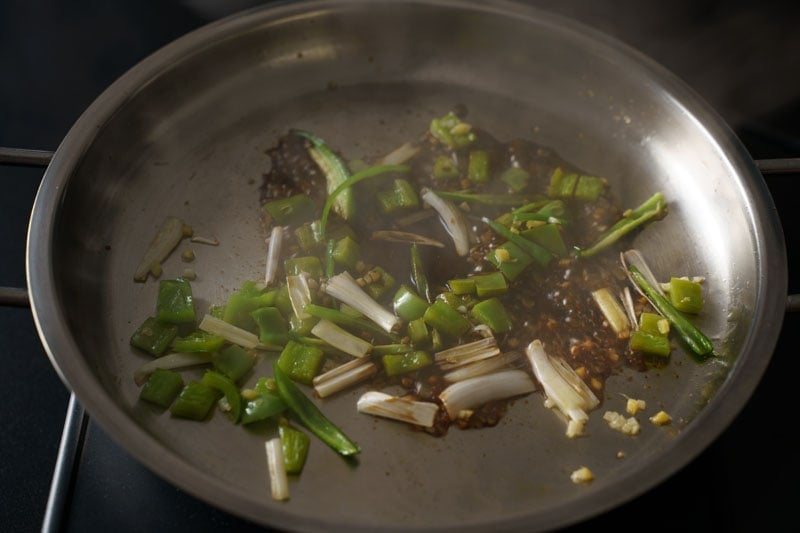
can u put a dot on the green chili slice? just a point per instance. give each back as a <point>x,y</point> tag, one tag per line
<point>311,417</point>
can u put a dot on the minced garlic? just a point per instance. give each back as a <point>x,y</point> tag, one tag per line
<point>628,426</point>
<point>633,406</point>
<point>582,475</point>
<point>661,418</point>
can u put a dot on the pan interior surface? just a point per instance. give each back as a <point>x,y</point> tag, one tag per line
<point>184,134</point>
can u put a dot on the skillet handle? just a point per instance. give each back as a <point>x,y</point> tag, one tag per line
<point>14,296</point>
<point>788,165</point>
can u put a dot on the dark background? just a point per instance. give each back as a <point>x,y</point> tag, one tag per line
<point>56,57</point>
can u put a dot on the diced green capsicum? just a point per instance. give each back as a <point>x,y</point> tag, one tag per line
<point>548,236</point>
<point>490,284</point>
<point>444,168</point>
<point>478,166</point>
<point>198,341</point>
<point>301,362</point>
<point>516,178</point>
<point>154,337</point>
<point>265,405</point>
<point>509,259</point>
<point>408,305</point>
<point>291,211</point>
<point>346,252</point>
<point>492,313</point>
<point>295,446</point>
<point>641,341</point>
<point>194,401</point>
<point>175,304</point>
<point>309,264</point>
<point>227,387</point>
<point>272,327</point>
<point>446,320</point>
<point>401,196</point>
<point>233,361</point>
<point>686,295</point>
<point>162,387</point>
<point>396,364</point>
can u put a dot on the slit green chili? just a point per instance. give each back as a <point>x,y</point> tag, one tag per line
<point>688,332</point>
<point>418,276</point>
<point>537,252</point>
<point>311,417</point>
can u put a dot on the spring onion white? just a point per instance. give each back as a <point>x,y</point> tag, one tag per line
<point>341,339</point>
<point>474,392</point>
<point>345,289</point>
<point>299,295</point>
<point>451,217</point>
<point>343,376</point>
<point>401,154</point>
<point>397,408</point>
<point>171,232</point>
<point>613,312</point>
<point>171,361</point>
<point>463,354</point>
<point>231,333</point>
<point>563,388</point>
<point>278,479</point>
<point>273,254</point>
<point>480,368</point>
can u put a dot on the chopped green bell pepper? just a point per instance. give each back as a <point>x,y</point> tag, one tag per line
<point>226,386</point>
<point>301,362</point>
<point>446,320</point>
<point>194,401</point>
<point>233,361</point>
<point>295,446</point>
<point>175,304</point>
<point>154,337</point>
<point>396,364</point>
<point>492,313</point>
<point>162,387</point>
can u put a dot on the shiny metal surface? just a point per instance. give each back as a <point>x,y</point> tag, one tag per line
<point>184,133</point>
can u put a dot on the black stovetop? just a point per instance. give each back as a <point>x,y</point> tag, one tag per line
<point>56,57</point>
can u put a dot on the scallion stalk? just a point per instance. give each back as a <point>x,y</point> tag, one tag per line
<point>476,391</point>
<point>344,288</point>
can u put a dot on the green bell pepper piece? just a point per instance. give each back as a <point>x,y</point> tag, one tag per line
<point>686,295</point>
<point>492,313</point>
<point>408,305</point>
<point>233,361</point>
<point>154,337</point>
<point>295,446</point>
<point>162,387</point>
<point>291,211</point>
<point>198,341</point>
<point>194,401</point>
<point>478,166</point>
<point>272,327</point>
<point>301,362</point>
<point>309,264</point>
<point>446,320</point>
<point>175,303</point>
<point>396,364</point>
<point>226,386</point>
<point>649,343</point>
<point>516,178</point>
<point>491,284</point>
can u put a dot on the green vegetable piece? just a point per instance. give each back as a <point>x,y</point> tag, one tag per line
<point>385,349</point>
<point>462,286</point>
<point>451,131</point>
<point>653,208</point>
<point>654,324</point>
<point>418,333</point>
<point>175,304</point>
<point>241,304</point>
<point>233,361</point>
<point>509,259</point>
<point>478,166</point>
<point>686,295</point>
<point>402,196</point>
<point>353,323</point>
<point>154,337</point>
<point>226,386</point>
<point>408,305</point>
<point>651,344</point>
<point>589,188</point>
<point>562,185</point>
<point>346,252</point>
<point>291,211</point>
<point>266,405</point>
<point>444,168</point>
<point>272,327</point>
<point>384,283</point>
<point>301,362</point>
<point>194,401</point>
<point>335,171</point>
<point>537,252</point>
<point>307,236</point>
<point>302,326</point>
<point>688,332</point>
<point>418,276</point>
<point>309,264</point>
<point>295,446</point>
<point>492,313</point>
<point>162,387</point>
<point>548,236</point>
<point>198,341</point>
<point>492,284</point>
<point>396,364</point>
<point>345,186</point>
<point>283,302</point>
<point>516,178</point>
<point>446,320</point>
<point>311,417</point>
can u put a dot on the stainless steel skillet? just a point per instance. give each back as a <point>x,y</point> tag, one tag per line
<point>183,133</point>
